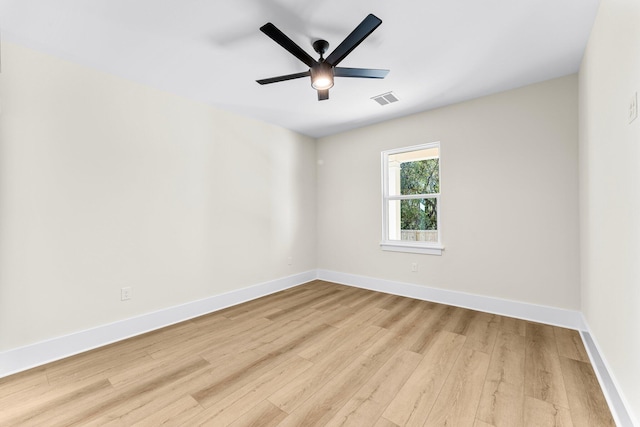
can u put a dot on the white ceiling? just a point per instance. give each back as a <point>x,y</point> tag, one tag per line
<point>439,51</point>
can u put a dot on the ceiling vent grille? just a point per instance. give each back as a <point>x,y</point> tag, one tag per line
<point>385,98</point>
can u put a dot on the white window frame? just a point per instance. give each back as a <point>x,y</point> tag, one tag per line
<point>430,248</point>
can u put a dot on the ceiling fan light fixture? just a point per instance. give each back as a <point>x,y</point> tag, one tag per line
<point>322,76</point>
<point>322,83</point>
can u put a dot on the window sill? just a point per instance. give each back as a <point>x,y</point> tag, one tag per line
<point>411,248</point>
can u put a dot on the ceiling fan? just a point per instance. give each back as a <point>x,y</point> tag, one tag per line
<point>324,70</point>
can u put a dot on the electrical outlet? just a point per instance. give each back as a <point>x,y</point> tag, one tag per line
<point>414,266</point>
<point>125,293</point>
<point>289,260</point>
<point>633,107</point>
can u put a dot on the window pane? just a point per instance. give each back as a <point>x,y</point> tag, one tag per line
<point>413,220</point>
<point>414,172</point>
<point>420,177</point>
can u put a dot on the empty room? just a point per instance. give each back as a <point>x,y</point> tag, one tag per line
<point>297,213</point>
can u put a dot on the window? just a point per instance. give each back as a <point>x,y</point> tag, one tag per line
<point>411,199</point>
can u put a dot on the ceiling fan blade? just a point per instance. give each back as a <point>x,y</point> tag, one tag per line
<point>323,94</point>
<point>367,73</point>
<point>284,78</point>
<point>362,31</point>
<point>279,37</point>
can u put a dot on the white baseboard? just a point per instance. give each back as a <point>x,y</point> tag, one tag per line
<point>620,408</point>
<point>23,358</point>
<point>537,313</point>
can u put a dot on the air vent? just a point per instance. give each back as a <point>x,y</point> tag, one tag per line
<point>385,98</point>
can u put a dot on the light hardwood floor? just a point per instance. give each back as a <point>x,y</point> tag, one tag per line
<point>322,354</point>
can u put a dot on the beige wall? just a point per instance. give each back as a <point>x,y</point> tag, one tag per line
<point>610,192</point>
<point>105,183</point>
<point>509,197</point>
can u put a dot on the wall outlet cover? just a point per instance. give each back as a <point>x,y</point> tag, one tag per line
<point>125,293</point>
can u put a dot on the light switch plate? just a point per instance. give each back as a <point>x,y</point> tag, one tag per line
<point>633,107</point>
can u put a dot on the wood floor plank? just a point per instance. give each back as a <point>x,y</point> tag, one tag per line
<point>236,376</point>
<point>162,338</point>
<point>304,304</point>
<point>397,312</point>
<point>265,414</point>
<point>464,319</point>
<point>196,339</point>
<point>24,387</point>
<point>515,326</point>
<point>482,332</point>
<point>432,320</point>
<point>281,300</point>
<point>435,321</point>
<point>130,407</point>
<point>377,298</point>
<point>235,405</point>
<point>383,422</point>
<point>367,405</point>
<point>406,321</point>
<point>305,386</point>
<point>259,338</point>
<point>366,298</point>
<point>186,405</point>
<point>248,340</point>
<point>413,403</point>
<point>317,354</point>
<point>201,343</point>
<point>391,301</point>
<point>150,370</point>
<point>586,401</point>
<point>56,411</point>
<point>144,397</point>
<point>570,344</point>
<point>41,398</point>
<point>330,398</point>
<point>543,374</point>
<point>323,284</point>
<point>340,338</point>
<point>347,316</point>
<point>342,297</point>
<point>503,390</point>
<point>456,319</point>
<point>308,320</point>
<point>25,380</point>
<point>94,364</point>
<point>538,413</point>
<point>458,400</point>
